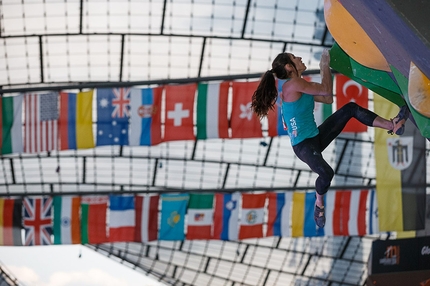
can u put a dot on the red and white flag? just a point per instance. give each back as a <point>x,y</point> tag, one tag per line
<point>348,90</point>
<point>146,218</point>
<point>244,122</point>
<point>346,213</point>
<point>252,215</point>
<point>178,119</point>
<point>41,119</point>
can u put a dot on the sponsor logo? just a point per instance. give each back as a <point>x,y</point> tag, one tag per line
<point>400,152</point>
<point>392,256</point>
<point>425,250</point>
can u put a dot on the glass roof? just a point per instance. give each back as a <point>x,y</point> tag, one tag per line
<point>82,44</point>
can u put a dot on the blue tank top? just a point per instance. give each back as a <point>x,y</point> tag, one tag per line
<point>299,118</point>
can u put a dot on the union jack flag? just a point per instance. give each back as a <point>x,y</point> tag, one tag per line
<point>38,221</point>
<point>121,102</point>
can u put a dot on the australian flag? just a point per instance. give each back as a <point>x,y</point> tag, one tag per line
<point>38,221</point>
<point>113,111</point>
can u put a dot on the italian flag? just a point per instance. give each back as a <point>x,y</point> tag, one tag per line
<point>212,119</point>
<point>11,124</point>
<point>66,220</point>
<point>200,216</point>
<point>93,221</point>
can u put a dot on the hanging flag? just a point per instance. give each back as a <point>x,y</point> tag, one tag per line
<point>122,217</point>
<point>302,217</point>
<point>357,213</point>
<point>252,216</point>
<point>146,218</point>
<point>93,219</point>
<point>173,208</point>
<point>179,112</point>
<point>372,214</point>
<point>400,174</point>
<point>113,111</point>
<point>200,216</point>
<point>75,125</point>
<point>41,122</point>
<point>67,226</point>
<point>348,90</point>
<point>279,214</point>
<point>212,118</point>
<point>274,117</point>
<point>10,222</point>
<point>244,122</point>
<point>11,124</point>
<point>226,216</point>
<point>145,116</point>
<point>37,221</point>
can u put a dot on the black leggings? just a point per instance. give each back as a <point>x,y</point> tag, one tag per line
<point>309,150</point>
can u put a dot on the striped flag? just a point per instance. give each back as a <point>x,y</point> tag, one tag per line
<point>212,118</point>
<point>146,218</point>
<point>122,217</point>
<point>279,214</point>
<point>350,213</point>
<point>226,216</point>
<point>145,116</point>
<point>67,226</point>
<point>75,125</point>
<point>252,215</point>
<point>41,122</point>
<point>200,216</point>
<point>11,124</point>
<point>372,214</point>
<point>302,217</point>
<point>400,174</point>
<point>173,209</point>
<point>244,122</point>
<point>93,219</point>
<point>10,222</point>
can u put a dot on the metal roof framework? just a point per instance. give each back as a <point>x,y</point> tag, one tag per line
<point>77,45</point>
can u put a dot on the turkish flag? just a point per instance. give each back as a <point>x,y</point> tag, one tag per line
<point>244,122</point>
<point>178,121</point>
<point>347,91</point>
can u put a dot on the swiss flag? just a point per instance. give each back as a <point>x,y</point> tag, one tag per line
<point>179,112</point>
<point>348,90</point>
<point>244,122</point>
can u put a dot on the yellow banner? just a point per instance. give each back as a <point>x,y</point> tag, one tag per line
<point>388,179</point>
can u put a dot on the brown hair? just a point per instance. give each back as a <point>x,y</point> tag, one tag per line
<point>264,98</point>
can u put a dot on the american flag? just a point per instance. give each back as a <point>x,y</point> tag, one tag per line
<point>41,119</point>
<point>38,221</point>
<point>121,103</point>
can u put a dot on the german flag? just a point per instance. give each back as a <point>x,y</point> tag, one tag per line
<point>10,222</point>
<point>400,174</point>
